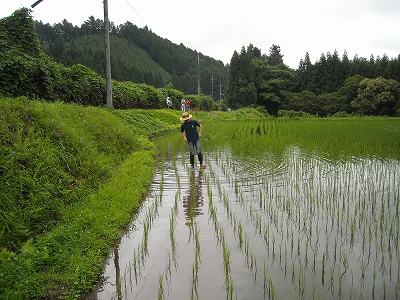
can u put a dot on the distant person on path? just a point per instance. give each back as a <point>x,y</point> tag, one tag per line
<point>187,104</point>
<point>169,103</point>
<point>183,104</point>
<point>190,135</point>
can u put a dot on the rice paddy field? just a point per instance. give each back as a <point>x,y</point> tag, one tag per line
<point>286,209</point>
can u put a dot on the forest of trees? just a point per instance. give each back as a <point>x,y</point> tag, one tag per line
<point>137,55</point>
<point>330,85</point>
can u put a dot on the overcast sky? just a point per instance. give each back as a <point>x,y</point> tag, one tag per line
<point>217,28</point>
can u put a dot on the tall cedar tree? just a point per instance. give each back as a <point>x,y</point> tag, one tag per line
<point>241,90</point>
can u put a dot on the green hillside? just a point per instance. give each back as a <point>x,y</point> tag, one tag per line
<point>129,62</point>
<point>159,62</point>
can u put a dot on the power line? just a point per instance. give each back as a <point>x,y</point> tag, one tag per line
<point>136,12</point>
<point>150,26</point>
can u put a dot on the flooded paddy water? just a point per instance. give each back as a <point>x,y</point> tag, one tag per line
<point>289,225</point>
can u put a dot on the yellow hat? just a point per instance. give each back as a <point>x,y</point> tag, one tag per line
<point>185,116</point>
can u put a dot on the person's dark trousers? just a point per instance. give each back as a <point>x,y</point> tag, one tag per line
<point>193,152</point>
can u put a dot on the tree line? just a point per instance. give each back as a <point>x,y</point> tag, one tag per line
<point>330,85</point>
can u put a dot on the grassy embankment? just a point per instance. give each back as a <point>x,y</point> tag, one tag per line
<point>72,177</point>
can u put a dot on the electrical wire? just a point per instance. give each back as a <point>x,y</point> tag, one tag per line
<point>136,12</point>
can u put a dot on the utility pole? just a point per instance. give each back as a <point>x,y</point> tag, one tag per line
<point>198,74</point>
<point>108,55</point>
<point>212,86</point>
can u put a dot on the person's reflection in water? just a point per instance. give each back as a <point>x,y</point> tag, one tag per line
<point>193,201</point>
<point>117,274</point>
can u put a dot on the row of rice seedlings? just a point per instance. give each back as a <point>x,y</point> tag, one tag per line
<point>226,251</point>
<point>175,167</point>
<point>172,226</point>
<point>212,208</point>
<point>195,266</point>
<point>171,256</point>
<point>243,240</point>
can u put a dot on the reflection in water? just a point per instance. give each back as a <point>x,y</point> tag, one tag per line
<point>117,274</point>
<point>193,201</point>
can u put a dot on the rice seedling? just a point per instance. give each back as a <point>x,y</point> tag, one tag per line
<point>172,226</point>
<point>160,287</point>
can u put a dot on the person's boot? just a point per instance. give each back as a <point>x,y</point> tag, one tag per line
<point>200,155</point>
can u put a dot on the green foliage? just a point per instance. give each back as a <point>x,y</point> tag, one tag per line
<point>18,33</point>
<point>305,101</point>
<point>256,79</point>
<point>26,71</point>
<point>35,75</point>
<point>131,95</point>
<point>332,103</point>
<point>377,96</point>
<point>272,84</point>
<point>22,68</point>
<point>341,114</point>
<point>78,84</point>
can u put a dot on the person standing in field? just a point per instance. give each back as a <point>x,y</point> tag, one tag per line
<point>183,104</point>
<point>187,104</point>
<point>190,135</point>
